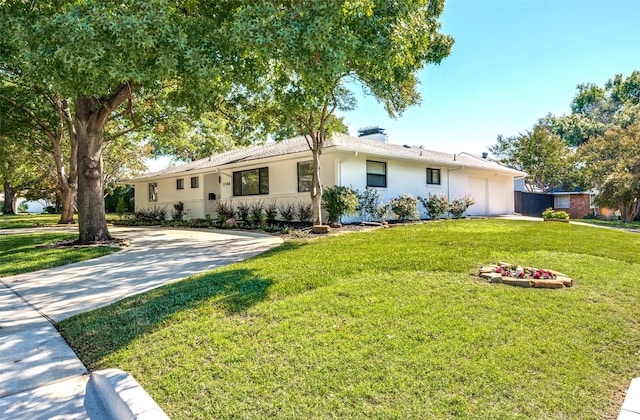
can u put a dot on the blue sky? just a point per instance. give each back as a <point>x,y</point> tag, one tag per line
<point>513,61</point>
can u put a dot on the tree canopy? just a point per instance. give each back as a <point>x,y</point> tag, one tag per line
<point>547,160</point>
<point>306,52</point>
<point>596,109</point>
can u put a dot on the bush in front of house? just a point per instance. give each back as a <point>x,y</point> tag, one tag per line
<point>151,215</point>
<point>271,211</point>
<point>339,201</point>
<point>305,211</point>
<point>460,205</point>
<point>405,207</point>
<point>553,214</point>
<point>436,205</point>
<point>242,211</point>
<point>178,212</point>
<point>287,212</point>
<point>369,207</point>
<point>225,210</point>
<point>256,214</point>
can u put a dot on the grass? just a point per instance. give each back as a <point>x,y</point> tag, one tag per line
<point>18,253</point>
<point>387,324</point>
<point>27,220</point>
<point>612,223</point>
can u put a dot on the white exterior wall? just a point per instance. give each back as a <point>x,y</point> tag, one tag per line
<point>168,195</point>
<point>402,176</point>
<point>492,192</point>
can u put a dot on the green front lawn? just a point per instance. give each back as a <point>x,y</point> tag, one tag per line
<point>27,220</point>
<point>387,324</point>
<point>18,253</point>
<point>611,223</point>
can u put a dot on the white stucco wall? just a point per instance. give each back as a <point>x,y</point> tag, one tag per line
<point>493,192</point>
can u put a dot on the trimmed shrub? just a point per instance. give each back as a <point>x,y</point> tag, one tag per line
<point>369,207</point>
<point>405,207</point>
<point>178,212</point>
<point>339,201</point>
<point>553,214</point>
<point>436,205</point>
<point>154,215</point>
<point>460,205</point>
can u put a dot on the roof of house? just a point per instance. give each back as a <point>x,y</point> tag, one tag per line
<point>337,142</point>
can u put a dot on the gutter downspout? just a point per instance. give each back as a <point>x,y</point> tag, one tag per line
<point>449,181</point>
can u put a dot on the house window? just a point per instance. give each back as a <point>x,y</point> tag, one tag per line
<point>376,174</point>
<point>305,172</point>
<point>180,184</point>
<point>592,201</point>
<point>195,181</point>
<point>251,182</point>
<point>153,191</point>
<point>433,176</point>
<point>561,201</point>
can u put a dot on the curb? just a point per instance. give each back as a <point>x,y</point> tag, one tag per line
<point>631,405</point>
<point>122,397</point>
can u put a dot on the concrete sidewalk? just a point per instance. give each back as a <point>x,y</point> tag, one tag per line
<point>40,375</point>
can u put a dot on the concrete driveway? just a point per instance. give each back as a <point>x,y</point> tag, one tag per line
<point>40,376</point>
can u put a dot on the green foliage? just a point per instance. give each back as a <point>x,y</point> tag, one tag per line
<point>555,214</point>
<point>369,207</point>
<point>611,162</point>
<point>225,210</point>
<point>339,201</point>
<point>256,211</point>
<point>460,205</point>
<point>23,207</point>
<point>405,207</point>
<point>436,205</point>
<point>121,207</point>
<point>547,160</point>
<point>386,324</point>
<point>596,109</point>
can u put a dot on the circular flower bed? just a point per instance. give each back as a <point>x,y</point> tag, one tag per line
<point>516,275</point>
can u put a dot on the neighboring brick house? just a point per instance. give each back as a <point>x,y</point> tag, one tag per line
<point>579,204</point>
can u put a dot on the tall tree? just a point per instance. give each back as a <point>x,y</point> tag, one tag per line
<point>596,109</point>
<point>544,156</point>
<point>101,53</point>
<point>612,164</point>
<point>308,52</point>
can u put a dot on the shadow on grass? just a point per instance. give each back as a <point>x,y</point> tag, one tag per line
<point>98,333</point>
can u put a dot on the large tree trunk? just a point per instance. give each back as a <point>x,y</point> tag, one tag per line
<point>89,127</point>
<point>9,205</point>
<point>68,183</point>
<point>316,187</point>
<point>629,212</point>
<point>67,200</point>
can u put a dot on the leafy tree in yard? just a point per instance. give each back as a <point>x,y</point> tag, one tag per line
<point>101,53</point>
<point>309,51</point>
<point>612,163</point>
<point>544,156</point>
<point>596,109</point>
